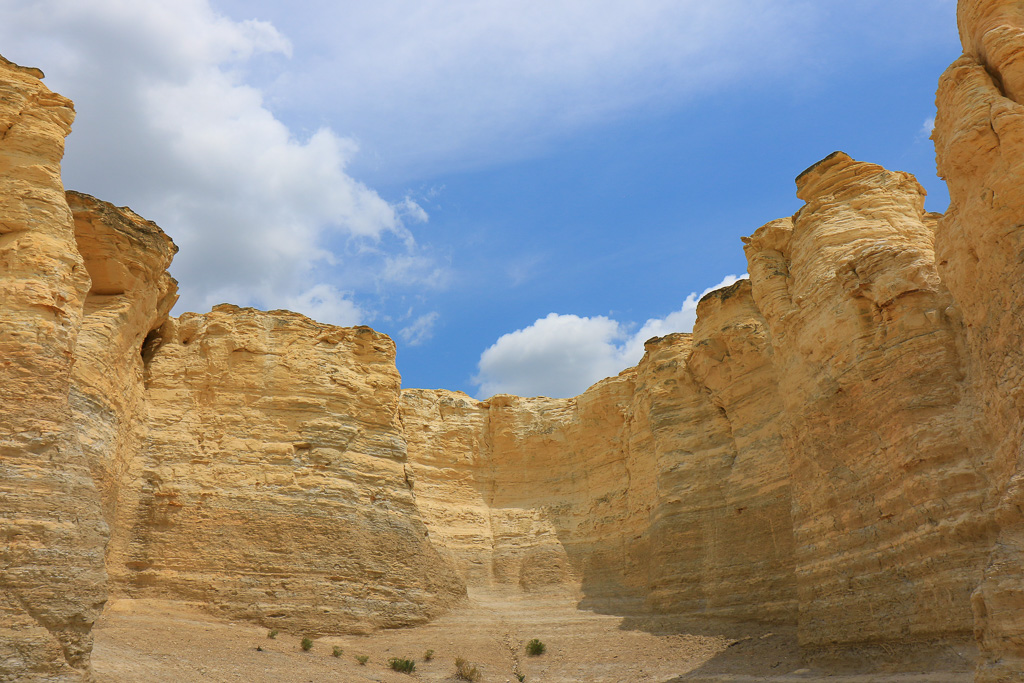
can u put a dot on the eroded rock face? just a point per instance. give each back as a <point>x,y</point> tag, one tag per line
<point>531,493</point>
<point>272,482</point>
<point>130,296</point>
<point>889,484</point>
<point>52,578</point>
<point>979,143</point>
<point>838,446</point>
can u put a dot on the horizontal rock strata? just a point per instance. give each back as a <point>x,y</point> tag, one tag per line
<point>272,482</point>
<point>836,448</point>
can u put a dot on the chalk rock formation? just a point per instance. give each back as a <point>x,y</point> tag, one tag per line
<point>889,491</point>
<point>838,446</point>
<point>272,481</point>
<point>52,578</point>
<point>979,143</point>
<point>130,296</point>
<point>640,493</point>
<point>529,492</point>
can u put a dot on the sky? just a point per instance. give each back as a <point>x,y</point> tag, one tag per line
<point>519,192</point>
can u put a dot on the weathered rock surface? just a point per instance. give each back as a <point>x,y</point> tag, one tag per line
<point>979,143</point>
<point>272,483</point>
<point>837,448</point>
<point>130,296</point>
<point>52,578</point>
<point>889,491</point>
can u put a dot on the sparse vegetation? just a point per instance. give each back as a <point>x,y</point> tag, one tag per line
<point>273,633</point>
<point>464,671</point>
<point>307,644</point>
<point>521,677</point>
<point>535,648</point>
<point>428,655</point>
<point>337,651</point>
<point>406,666</point>
<point>362,659</point>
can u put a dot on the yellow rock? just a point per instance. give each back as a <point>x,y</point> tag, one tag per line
<point>979,145</point>
<point>836,448</point>
<point>52,578</point>
<point>272,481</point>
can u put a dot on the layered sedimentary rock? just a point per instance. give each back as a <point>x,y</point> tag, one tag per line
<point>662,488</point>
<point>52,578</point>
<point>837,446</point>
<point>749,565</point>
<point>889,487</point>
<point>272,481</point>
<point>532,493</point>
<point>979,142</point>
<point>129,297</point>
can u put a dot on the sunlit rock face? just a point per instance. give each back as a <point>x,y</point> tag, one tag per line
<point>979,143</point>
<point>886,469</point>
<point>272,481</point>
<point>52,578</point>
<point>530,493</point>
<point>836,448</point>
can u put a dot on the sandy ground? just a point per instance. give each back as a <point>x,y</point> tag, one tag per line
<point>144,640</point>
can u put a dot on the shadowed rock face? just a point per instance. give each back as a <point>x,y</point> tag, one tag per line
<point>837,447</point>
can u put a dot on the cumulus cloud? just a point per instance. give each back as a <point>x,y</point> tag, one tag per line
<point>562,355</point>
<point>168,123</point>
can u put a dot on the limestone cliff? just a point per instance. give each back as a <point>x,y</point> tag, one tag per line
<point>272,481</point>
<point>52,578</point>
<point>836,448</point>
<point>979,143</point>
<point>889,487</point>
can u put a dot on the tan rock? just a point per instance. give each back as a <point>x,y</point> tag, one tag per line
<point>52,579</point>
<point>886,474</point>
<point>130,296</point>
<point>272,482</point>
<point>979,143</point>
<point>530,493</point>
<point>837,447</point>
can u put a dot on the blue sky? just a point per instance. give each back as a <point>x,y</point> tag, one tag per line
<point>519,192</point>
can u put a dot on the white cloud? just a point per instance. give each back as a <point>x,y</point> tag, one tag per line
<point>457,82</point>
<point>421,329</point>
<point>168,124</point>
<point>441,85</point>
<point>927,128</point>
<point>562,355</point>
<point>326,304</point>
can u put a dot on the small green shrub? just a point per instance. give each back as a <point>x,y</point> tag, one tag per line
<point>464,671</point>
<point>535,648</point>
<point>362,659</point>
<point>273,633</point>
<point>428,655</point>
<point>307,644</point>
<point>337,651</point>
<point>521,677</point>
<point>406,666</point>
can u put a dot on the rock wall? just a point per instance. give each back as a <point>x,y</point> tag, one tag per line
<point>272,482</point>
<point>979,143</point>
<point>663,488</point>
<point>533,493</point>
<point>52,578</point>
<point>889,486</point>
<point>837,446</point>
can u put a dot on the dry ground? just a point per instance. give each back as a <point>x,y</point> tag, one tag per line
<point>156,641</point>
